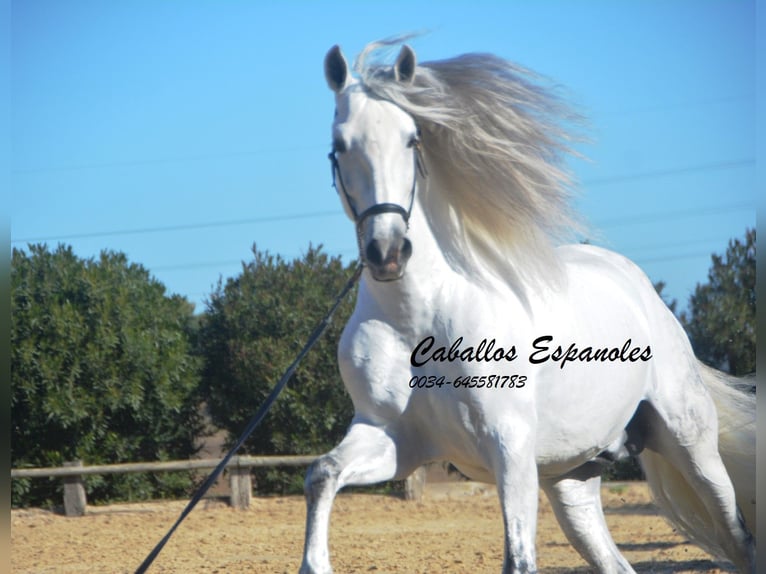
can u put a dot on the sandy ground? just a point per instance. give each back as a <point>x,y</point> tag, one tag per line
<point>456,528</point>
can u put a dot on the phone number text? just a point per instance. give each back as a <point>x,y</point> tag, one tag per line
<point>469,382</point>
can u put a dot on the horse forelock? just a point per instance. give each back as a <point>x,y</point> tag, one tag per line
<point>495,140</point>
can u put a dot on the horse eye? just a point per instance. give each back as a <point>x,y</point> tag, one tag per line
<point>338,145</point>
<point>414,141</point>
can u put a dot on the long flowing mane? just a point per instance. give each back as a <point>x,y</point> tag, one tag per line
<point>498,196</point>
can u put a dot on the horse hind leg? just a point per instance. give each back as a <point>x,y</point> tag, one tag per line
<point>689,480</point>
<point>576,501</point>
<point>366,455</point>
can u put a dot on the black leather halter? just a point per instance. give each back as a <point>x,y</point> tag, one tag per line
<point>378,208</point>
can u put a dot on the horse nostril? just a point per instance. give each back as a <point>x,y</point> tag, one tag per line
<point>406,249</point>
<point>378,254</point>
<point>374,253</point>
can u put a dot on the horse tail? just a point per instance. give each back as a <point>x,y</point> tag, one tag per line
<point>735,404</point>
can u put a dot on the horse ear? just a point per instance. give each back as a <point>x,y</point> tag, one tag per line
<point>336,69</point>
<point>404,69</point>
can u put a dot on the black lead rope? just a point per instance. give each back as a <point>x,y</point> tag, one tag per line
<point>254,422</point>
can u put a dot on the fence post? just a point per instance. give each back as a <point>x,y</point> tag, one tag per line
<point>75,500</point>
<point>414,485</point>
<point>241,485</point>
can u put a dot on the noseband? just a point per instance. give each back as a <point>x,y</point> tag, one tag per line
<point>378,208</point>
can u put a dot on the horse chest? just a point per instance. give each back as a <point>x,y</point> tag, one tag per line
<point>372,358</point>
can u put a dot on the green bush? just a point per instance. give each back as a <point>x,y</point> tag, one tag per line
<point>721,317</point>
<point>254,327</point>
<point>101,371</point>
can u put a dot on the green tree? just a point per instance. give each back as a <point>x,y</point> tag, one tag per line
<point>721,316</point>
<point>254,327</point>
<point>101,372</point>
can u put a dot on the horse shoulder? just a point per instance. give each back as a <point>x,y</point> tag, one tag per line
<point>373,359</point>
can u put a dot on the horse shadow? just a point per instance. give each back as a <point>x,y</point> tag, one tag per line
<point>656,567</point>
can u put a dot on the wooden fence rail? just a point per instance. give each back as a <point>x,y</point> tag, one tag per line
<point>239,470</point>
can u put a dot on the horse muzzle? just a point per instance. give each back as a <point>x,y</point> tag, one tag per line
<point>387,260</point>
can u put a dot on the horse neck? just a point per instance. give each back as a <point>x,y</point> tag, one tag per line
<point>426,271</point>
<point>413,299</point>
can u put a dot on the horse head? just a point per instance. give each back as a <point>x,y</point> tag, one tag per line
<point>375,158</point>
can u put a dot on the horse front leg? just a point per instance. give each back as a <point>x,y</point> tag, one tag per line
<point>366,455</point>
<point>517,486</point>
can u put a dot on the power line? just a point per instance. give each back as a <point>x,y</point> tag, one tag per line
<point>712,166</point>
<point>185,227</point>
<point>318,214</point>
<point>657,216</point>
<point>685,213</point>
<point>165,160</point>
<point>672,257</point>
<point>227,262</point>
<point>200,265</point>
<point>669,106</point>
<point>199,294</point>
<point>666,245</point>
<point>290,149</point>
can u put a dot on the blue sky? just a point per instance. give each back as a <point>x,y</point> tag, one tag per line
<point>181,133</point>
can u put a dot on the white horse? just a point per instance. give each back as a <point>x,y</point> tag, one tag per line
<point>475,341</point>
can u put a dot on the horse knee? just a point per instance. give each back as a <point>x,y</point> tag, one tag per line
<point>321,475</point>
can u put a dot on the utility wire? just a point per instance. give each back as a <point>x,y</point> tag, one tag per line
<point>674,244</point>
<point>290,149</point>
<point>652,174</point>
<point>165,160</point>
<point>317,214</point>
<point>200,265</point>
<point>227,262</point>
<point>192,266</point>
<point>633,219</point>
<point>640,261</point>
<point>683,213</point>
<point>185,227</point>
<point>637,259</point>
